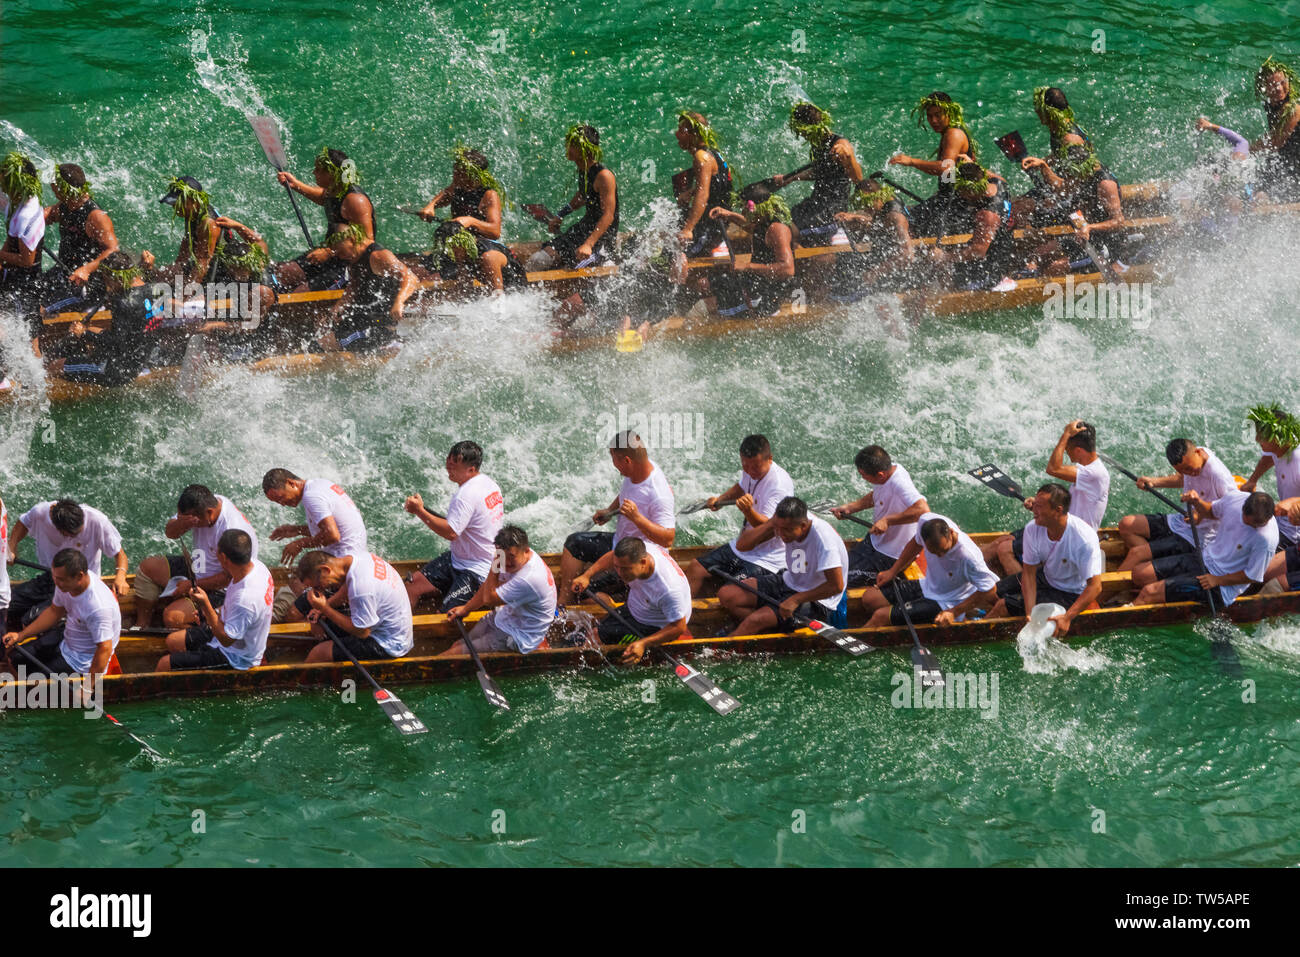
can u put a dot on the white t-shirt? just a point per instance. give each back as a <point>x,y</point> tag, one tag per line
<point>767,492</point>
<point>952,578</point>
<point>653,498</point>
<point>1070,562</point>
<point>204,556</point>
<point>664,598</point>
<point>1238,547</point>
<point>4,557</point>
<point>27,224</point>
<point>97,537</point>
<point>807,562</point>
<point>476,513</point>
<point>246,617</point>
<point>898,494</point>
<point>322,499</point>
<point>1214,482</point>
<point>530,599</point>
<point>1287,471</point>
<point>93,617</point>
<point>377,600</point>
<point>1090,492</point>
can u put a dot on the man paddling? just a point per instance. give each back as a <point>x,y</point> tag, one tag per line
<point>814,580</point>
<point>591,241</point>
<point>957,580</point>
<point>82,625</point>
<point>1158,535</point>
<point>55,526</point>
<point>201,240</point>
<point>475,514</point>
<point>1086,477</point>
<point>896,506</point>
<point>945,116</point>
<point>1234,559</point>
<point>978,206</point>
<point>1063,562</point>
<point>345,205</point>
<point>520,590</point>
<point>658,599</point>
<point>20,257</point>
<point>705,186</point>
<point>234,637</point>
<point>379,287</point>
<point>759,488</point>
<point>208,516</point>
<point>758,287</point>
<point>834,171</point>
<point>86,239</point>
<point>377,623</point>
<point>645,507</point>
<point>1277,433</point>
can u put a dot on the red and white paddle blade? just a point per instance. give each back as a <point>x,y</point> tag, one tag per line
<point>269,136</point>
<point>398,713</point>
<point>842,639</point>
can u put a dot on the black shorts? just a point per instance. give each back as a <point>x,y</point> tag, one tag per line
<point>611,631</point>
<point>368,339</point>
<point>1179,573</point>
<point>589,546</point>
<point>566,246</point>
<point>865,563</point>
<point>176,569</point>
<point>198,651</point>
<point>364,649</point>
<point>1018,545</point>
<point>28,599</point>
<point>1161,539</point>
<point>304,607</point>
<point>455,585</point>
<point>724,559</point>
<point>1009,590</point>
<point>1292,566</point>
<point>60,295</point>
<point>331,274</point>
<point>772,585</point>
<point>47,651</point>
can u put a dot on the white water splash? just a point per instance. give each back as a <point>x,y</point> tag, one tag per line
<point>25,143</point>
<point>228,81</point>
<point>1046,656</point>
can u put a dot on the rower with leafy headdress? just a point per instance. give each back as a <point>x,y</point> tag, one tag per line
<point>472,236</point>
<point>117,355</point>
<point>202,237</point>
<point>592,240</point>
<point>1045,204</point>
<point>877,224</point>
<point>1277,85</point>
<point>758,287</point>
<point>705,186</point>
<point>20,289</point>
<point>946,118</point>
<point>979,207</point>
<point>367,315</point>
<point>345,203</point>
<point>1084,194</point>
<point>834,173</point>
<point>86,239</point>
<point>1277,433</point>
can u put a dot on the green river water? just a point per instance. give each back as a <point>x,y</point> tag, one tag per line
<point>1131,749</point>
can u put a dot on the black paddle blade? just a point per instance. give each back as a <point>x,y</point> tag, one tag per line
<point>928,665</point>
<point>492,692</point>
<point>134,737</point>
<point>1222,649</point>
<point>398,713</point>
<point>841,639</point>
<point>996,479</point>
<point>694,507</point>
<point>713,696</point>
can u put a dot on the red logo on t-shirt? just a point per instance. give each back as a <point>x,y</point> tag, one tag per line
<point>493,500</point>
<point>270,592</point>
<point>381,568</point>
<point>337,491</point>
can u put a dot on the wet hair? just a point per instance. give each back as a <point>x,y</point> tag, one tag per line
<point>67,516</point>
<point>337,157</point>
<point>791,509</point>
<point>1177,450</point>
<point>71,561</point>
<point>630,549</point>
<point>754,445</point>
<point>1058,496</point>
<point>310,565</point>
<point>118,260</point>
<point>511,536</point>
<point>1259,506</point>
<point>72,174</point>
<point>467,453</point>
<point>933,530</point>
<point>1055,98</point>
<point>589,133</point>
<point>196,498</point>
<point>475,158</point>
<point>277,479</point>
<point>1085,440</point>
<point>872,460</point>
<point>236,546</point>
<point>629,442</point>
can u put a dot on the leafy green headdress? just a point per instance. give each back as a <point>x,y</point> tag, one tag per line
<point>702,130</point>
<point>18,177</point>
<point>463,160</point>
<point>243,255</point>
<point>1077,161</point>
<point>124,277</point>
<point>772,210</point>
<point>1273,424</point>
<point>68,188</point>
<point>971,184</point>
<point>1059,121</point>
<point>875,199</point>
<point>345,174</point>
<point>197,200</point>
<point>348,232</point>
<point>952,110</point>
<point>1269,67</point>
<point>591,152</point>
<point>810,122</point>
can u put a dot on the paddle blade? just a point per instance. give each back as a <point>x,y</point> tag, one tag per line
<point>192,365</point>
<point>713,696</point>
<point>492,692</point>
<point>585,525</point>
<point>269,136</point>
<point>841,639</point>
<point>928,665</point>
<point>694,507</point>
<point>996,479</point>
<point>136,738</point>
<point>1222,649</point>
<point>398,713</point>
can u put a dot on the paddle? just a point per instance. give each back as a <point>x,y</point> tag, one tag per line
<point>134,737</point>
<point>33,565</point>
<point>1013,148</point>
<point>269,137</point>
<point>923,659</point>
<point>770,183</point>
<point>490,689</point>
<point>840,639</point>
<point>744,286</point>
<point>587,524</point>
<point>996,479</point>
<point>702,504</point>
<point>403,720</point>
<point>701,684</point>
<point>880,175</point>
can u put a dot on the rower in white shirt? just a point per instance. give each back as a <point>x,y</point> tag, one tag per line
<point>658,599</point>
<point>81,627</point>
<point>475,514</point>
<point>377,621</point>
<point>235,637</point>
<point>1088,480</point>
<point>520,590</point>
<point>896,505</point>
<point>759,487</point>
<point>957,579</point>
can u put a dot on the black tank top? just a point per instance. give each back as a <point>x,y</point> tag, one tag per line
<point>372,296</point>
<point>719,184</point>
<point>334,211</point>
<point>831,184</point>
<point>464,202</point>
<point>75,247</point>
<point>1001,250</point>
<point>593,209</point>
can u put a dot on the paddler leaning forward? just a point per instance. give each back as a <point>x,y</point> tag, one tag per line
<point>377,622</point>
<point>367,315</point>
